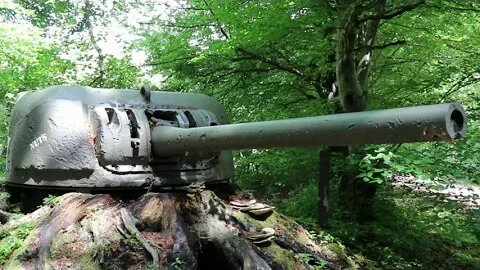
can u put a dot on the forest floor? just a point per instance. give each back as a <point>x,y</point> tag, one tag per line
<point>415,231</point>
<point>417,225</point>
<point>466,195</point>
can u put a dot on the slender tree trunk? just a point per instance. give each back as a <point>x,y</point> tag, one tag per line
<point>354,41</point>
<point>100,69</point>
<point>324,179</point>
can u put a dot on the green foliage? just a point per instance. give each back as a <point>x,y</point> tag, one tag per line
<point>131,240</point>
<point>244,55</point>
<point>51,200</point>
<point>46,13</point>
<point>457,161</point>
<point>373,167</point>
<point>300,203</point>
<point>177,264</point>
<point>418,233</point>
<point>273,172</point>
<point>119,73</point>
<point>438,58</point>
<point>409,232</point>
<point>28,61</point>
<point>13,239</point>
<point>309,259</point>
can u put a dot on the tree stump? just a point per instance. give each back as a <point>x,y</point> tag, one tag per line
<point>161,231</point>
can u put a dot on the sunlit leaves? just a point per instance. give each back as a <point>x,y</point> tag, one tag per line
<point>439,53</point>
<point>198,50</point>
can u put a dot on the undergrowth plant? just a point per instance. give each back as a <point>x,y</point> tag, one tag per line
<point>13,239</point>
<point>451,162</point>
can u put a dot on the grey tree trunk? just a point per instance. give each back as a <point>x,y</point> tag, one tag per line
<point>355,41</point>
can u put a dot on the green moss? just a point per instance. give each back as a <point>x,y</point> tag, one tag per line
<point>271,221</point>
<point>342,254</point>
<point>3,199</point>
<point>58,242</point>
<point>13,239</point>
<point>87,261</point>
<point>23,252</point>
<point>132,241</point>
<point>85,222</point>
<point>281,256</point>
<point>101,250</point>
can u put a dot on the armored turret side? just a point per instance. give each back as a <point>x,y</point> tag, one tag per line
<point>82,137</point>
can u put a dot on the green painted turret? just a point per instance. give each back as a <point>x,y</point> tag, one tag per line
<point>73,137</point>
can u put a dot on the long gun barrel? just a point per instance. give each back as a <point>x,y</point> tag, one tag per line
<point>414,124</point>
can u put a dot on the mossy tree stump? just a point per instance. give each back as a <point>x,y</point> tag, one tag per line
<point>158,231</point>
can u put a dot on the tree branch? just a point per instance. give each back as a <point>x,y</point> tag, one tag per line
<point>272,62</point>
<point>288,104</point>
<point>222,30</point>
<point>192,26</point>
<point>466,80</point>
<point>454,8</point>
<point>170,61</point>
<point>192,8</point>
<point>392,14</point>
<point>232,72</point>
<point>382,46</point>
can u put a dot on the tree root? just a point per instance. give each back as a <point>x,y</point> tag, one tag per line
<point>129,223</point>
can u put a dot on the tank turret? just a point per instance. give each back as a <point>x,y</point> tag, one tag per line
<point>72,137</point>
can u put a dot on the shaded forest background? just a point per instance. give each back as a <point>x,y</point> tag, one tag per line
<point>277,59</point>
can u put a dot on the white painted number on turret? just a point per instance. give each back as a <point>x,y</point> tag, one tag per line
<point>41,139</point>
